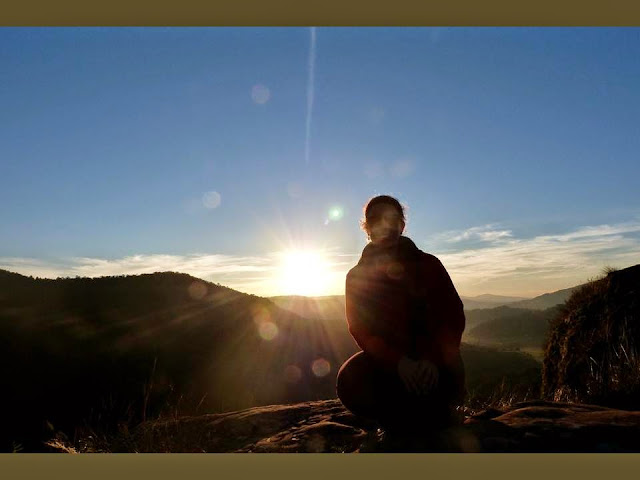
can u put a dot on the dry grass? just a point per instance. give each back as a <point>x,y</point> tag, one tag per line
<point>592,352</point>
<point>501,399</point>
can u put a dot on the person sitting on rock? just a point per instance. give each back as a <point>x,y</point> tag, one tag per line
<point>405,314</point>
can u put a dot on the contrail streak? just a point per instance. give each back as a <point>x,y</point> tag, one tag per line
<point>312,62</point>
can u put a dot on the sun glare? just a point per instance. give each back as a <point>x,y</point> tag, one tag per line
<point>304,273</point>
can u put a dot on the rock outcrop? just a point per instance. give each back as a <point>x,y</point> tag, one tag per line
<point>326,426</point>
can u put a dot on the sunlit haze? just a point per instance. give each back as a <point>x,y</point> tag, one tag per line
<point>244,156</point>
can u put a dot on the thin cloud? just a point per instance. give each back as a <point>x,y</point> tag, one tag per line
<point>601,230</point>
<point>531,266</point>
<point>250,274</point>
<point>33,266</point>
<point>498,262</point>
<point>402,168</point>
<point>208,267</point>
<point>485,233</point>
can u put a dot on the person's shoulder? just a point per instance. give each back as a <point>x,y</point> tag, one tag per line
<point>358,277</point>
<point>355,272</point>
<point>429,258</point>
<point>431,265</point>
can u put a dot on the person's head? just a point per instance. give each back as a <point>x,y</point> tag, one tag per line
<point>384,220</point>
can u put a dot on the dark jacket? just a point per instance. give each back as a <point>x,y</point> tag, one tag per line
<point>401,301</point>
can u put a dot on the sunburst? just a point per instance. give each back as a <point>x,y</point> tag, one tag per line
<point>304,272</point>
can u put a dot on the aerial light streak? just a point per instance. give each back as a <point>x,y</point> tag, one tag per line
<point>310,93</point>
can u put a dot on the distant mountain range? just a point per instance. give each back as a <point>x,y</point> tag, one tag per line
<point>541,302</point>
<point>488,301</point>
<point>497,320</point>
<point>332,307</point>
<point>546,300</point>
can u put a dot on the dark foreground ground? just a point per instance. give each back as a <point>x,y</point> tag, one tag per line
<point>325,426</point>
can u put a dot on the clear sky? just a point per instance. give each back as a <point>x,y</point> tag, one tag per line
<point>220,152</point>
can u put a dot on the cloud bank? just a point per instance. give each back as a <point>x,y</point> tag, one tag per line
<point>250,274</point>
<point>481,259</point>
<point>489,259</point>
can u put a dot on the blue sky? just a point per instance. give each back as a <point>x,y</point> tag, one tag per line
<point>131,150</point>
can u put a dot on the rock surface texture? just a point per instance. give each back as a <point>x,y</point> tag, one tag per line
<point>326,426</point>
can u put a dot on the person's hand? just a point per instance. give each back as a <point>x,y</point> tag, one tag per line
<point>419,377</point>
<point>427,376</point>
<point>407,370</point>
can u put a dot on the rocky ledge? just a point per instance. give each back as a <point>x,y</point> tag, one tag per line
<point>325,426</point>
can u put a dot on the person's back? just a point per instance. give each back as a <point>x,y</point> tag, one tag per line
<point>404,312</point>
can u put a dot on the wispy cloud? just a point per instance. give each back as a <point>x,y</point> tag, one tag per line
<point>485,233</point>
<point>34,266</point>
<point>482,259</point>
<point>258,275</point>
<point>505,264</point>
<point>226,269</point>
<point>198,265</point>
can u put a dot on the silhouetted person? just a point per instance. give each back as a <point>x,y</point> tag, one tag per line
<point>404,312</point>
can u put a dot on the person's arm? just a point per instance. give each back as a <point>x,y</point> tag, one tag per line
<point>449,310</point>
<point>358,311</point>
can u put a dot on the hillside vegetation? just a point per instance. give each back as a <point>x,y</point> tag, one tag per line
<point>510,327</point>
<point>593,353</point>
<point>115,349</point>
<point>547,300</point>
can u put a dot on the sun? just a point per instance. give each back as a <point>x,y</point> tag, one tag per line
<point>304,272</point>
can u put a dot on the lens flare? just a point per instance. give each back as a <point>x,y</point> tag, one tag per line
<point>211,199</point>
<point>336,213</point>
<point>376,115</point>
<point>197,290</point>
<point>395,270</point>
<point>268,331</point>
<point>320,367</point>
<point>261,315</point>
<point>292,374</point>
<point>260,94</point>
